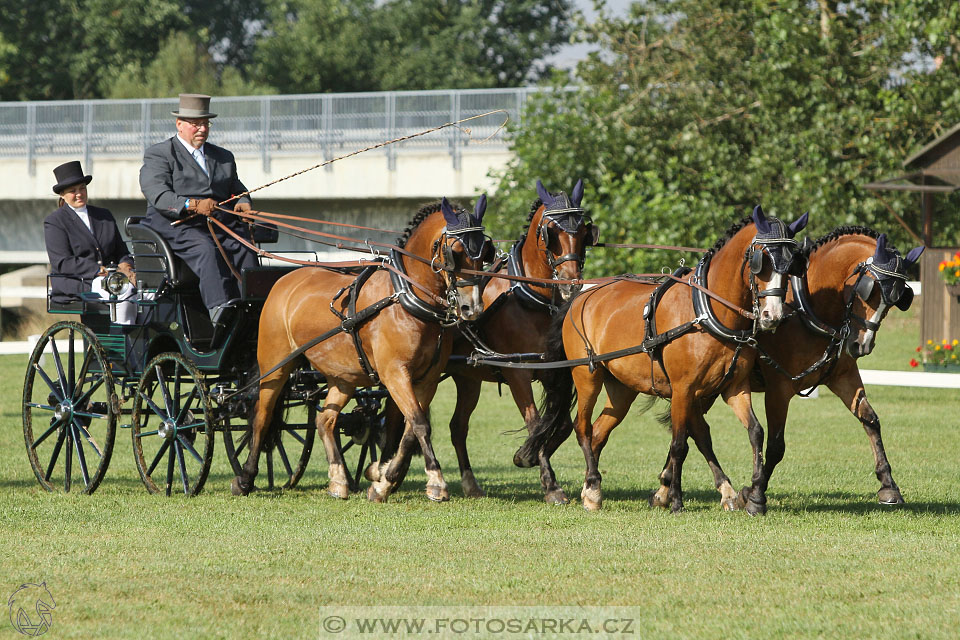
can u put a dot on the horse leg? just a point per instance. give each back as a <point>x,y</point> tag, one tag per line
<point>468,395</point>
<point>588,390</point>
<point>268,396</point>
<point>338,395</point>
<point>619,399</point>
<point>700,431</point>
<point>752,498</point>
<point>776,401</point>
<point>849,388</point>
<point>418,428</point>
<point>670,492</point>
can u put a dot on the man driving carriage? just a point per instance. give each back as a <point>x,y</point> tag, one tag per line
<point>184,178</point>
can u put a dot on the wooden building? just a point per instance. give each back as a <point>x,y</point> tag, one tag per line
<point>933,170</point>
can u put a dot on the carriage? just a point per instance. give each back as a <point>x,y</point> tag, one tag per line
<point>175,383</point>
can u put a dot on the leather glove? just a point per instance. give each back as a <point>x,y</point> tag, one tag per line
<point>127,269</point>
<point>242,207</point>
<point>204,207</point>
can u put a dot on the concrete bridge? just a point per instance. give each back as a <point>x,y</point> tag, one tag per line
<point>272,137</point>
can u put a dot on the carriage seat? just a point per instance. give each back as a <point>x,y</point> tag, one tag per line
<point>155,260</point>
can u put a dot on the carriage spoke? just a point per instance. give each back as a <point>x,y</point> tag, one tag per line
<point>297,436</point>
<point>361,460</point>
<point>283,456</point>
<point>186,443</point>
<point>85,397</point>
<point>55,388</point>
<point>55,454</point>
<point>86,434</point>
<point>56,359</point>
<point>153,407</point>
<point>348,446</point>
<point>183,469</point>
<point>68,463</point>
<point>81,458</point>
<point>71,365</point>
<point>164,391</point>
<point>185,409</point>
<point>270,469</point>
<point>46,434</point>
<point>159,457</point>
<point>170,469</point>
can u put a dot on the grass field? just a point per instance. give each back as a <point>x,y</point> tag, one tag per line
<point>826,561</point>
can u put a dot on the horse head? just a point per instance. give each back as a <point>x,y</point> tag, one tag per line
<point>881,283</point>
<point>773,256</point>
<point>562,235</point>
<point>462,244</point>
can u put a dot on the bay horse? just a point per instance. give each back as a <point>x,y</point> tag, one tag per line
<point>853,279</point>
<point>703,351</point>
<point>517,316</point>
<point>403,344</point>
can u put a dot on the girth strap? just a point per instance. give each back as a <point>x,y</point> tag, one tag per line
<point>348,321</point>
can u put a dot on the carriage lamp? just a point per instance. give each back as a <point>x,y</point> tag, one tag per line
<point>113,284</point>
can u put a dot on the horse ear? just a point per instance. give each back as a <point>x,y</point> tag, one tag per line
<point>914,254</point>
<point>480,208</point>
<point>577,195</point>
<point>799,224</point>
<point>448,213</point>
<point>880,256</point>
<point>545,197</point>
<point>759,219</point>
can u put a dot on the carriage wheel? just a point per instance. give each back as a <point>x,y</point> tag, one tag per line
<point>358,433</point>
<point>288,444</point>
<point>69,409</point>
<point>172,433</point>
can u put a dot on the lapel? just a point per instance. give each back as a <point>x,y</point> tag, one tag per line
<point>187,162</point>
<point>75,224</point>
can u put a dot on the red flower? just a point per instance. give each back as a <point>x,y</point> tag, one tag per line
<point>948,347</point>
<point>918,349</point>
<point>914,363</point>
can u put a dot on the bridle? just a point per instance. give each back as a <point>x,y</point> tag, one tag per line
<point>893,290</point>
<point>476,246</point>
<point>782,251</point>
<point>570,220</point>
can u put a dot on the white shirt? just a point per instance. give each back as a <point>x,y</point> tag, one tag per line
<point>196,153</point>
<point>84,216</point>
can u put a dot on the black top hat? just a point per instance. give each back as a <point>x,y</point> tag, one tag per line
<point>194,105</point>
<point>69,174</point>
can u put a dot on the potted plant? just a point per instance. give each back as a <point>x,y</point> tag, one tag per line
<point>950,273</point>
<point>941,357</point>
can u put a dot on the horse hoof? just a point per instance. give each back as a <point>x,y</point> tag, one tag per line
<point>756,509</point>
<point>236,488</point>
<point>592,499</point>
<point>372,472</point>
<point>557,496</point>
<point>338,490</point>
<point>729,504</point>
<point>889,497</point>
<point>375,496</point>
<point>437,493</point>
<point>658,499</point>
<point>742,498</point>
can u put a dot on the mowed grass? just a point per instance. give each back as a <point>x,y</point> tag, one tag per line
<point>826,561</point>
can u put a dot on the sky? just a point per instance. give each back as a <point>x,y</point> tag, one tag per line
<point>569,55</point>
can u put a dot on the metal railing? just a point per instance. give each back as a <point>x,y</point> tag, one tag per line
<point>331,124</point>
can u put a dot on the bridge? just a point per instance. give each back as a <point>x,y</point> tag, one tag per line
<point>272,137</point>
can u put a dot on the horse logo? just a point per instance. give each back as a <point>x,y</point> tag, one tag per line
<point>37,599</point>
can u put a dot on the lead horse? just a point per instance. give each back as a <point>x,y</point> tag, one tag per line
<point>703,352</point>
<point>853,279</point>
<point>402,344</point>
<point>517,316</point>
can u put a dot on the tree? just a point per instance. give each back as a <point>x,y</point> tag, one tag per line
<point>694,112</point>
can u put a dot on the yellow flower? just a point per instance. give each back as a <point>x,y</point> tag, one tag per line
<point>936,348</point>
<point>955,342</point>
<point>943,266</point>
<point>929,341</point>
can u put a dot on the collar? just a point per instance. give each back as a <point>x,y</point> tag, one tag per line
<point>82,210</point>
<point>189,147</point>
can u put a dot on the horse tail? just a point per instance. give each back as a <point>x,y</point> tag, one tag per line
<point>559,397</point>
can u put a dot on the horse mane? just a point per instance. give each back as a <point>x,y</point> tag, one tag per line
<point>732,231</point>
<point>848,230</point>
<point>424,211</point>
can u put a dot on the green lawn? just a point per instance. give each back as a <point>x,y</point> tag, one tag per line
<point>826,561</point>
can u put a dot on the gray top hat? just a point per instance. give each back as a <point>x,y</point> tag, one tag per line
<point>194,105</point>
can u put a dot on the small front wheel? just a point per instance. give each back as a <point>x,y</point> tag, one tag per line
<point>172,430</point>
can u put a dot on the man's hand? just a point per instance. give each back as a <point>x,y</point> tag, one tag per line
<point>127,269</point>
<point>204,207</point>
<point>242,207</point>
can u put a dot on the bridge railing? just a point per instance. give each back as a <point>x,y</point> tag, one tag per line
<point>267,126</point>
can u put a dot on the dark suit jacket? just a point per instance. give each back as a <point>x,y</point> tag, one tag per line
<point>76,254</point>
<point>170,175</point>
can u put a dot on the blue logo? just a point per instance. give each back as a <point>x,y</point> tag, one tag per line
<point>30,609</point>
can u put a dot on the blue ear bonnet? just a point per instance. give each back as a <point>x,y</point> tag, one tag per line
<point>468,228</point>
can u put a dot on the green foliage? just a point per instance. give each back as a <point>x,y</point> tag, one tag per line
<point>694,112</point>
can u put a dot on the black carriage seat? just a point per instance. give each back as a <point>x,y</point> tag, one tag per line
<point>159,269</point>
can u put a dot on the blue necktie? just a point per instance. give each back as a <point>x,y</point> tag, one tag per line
<point>198,156</point>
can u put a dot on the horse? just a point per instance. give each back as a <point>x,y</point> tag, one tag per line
<point>705,352</point>
<point>403,346</point>
<point>853,279</point>
<point>517,316</point>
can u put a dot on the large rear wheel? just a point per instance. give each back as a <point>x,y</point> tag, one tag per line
<point>172,430</point>
<point>69,409</point>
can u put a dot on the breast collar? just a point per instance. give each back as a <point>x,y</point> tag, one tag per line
<point>701,307</point>
<point>528,298</point>
<point>409,300</point>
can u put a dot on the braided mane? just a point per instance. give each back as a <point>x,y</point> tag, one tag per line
<point>848,231</point>
<point>732,231</point>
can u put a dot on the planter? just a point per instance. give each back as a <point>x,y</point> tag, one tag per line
<point>953,289</point>
<point>941,368</point>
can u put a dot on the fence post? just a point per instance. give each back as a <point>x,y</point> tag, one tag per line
<point>265,132</point>
<point>326,129</point>
<point>391,122</point>
<point>87,135</point>
<point>455,141</point>
<point>32,139</point>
